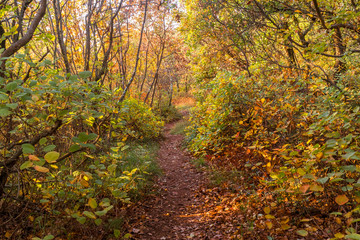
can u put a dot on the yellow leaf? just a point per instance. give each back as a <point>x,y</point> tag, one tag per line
<point>269,224</point>
<point>8,234</point>
<point>301,172</point>
<point>316,188</point>
<point>348,215</point>
<point>285,226</point>
<point>41,169</point>
<point>92,203</point>
<point>319,155</point>
<point>339,235</point>
<point>341,199</point>
<point>284,221</point>
<point>269,216</point>
<point>54,166</point>
<point>84,183</point>
<point>305,220</point>
<point>267,210</point>
<point>31,218</point>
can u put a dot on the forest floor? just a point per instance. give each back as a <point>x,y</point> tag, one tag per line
<point>177,211</point>
<point>198,203</point>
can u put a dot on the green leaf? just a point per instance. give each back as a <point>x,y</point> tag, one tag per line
<point>12,105</point>
<point>51,157</point>
<point>44,200</point>
<point>61,194</point>
<point>81,220</point>
<point>48,237</point>
<point>302,233</point>
<point>92,136</point>
<point>127,236</point>
<point>74,148</point>
<point>11,86</point>
<point>353,236</point>
<point>4,112</point>
<point>117,233</point>
<point>26,164</point>
<point>336,180</point>
<point>42,141</point>
<point>89,214</point>
<point>322,180</point>
<point>105,202</point>
<point>83,137</point>
<point>112,168</point>
<point>3,96</point>
<point>49,148</point>
<point>101,213</point>
<point>350,155</point>
<point>28,148</point>
<point>98,222</point>
<point>350,168</point>
<point>108,208</point>
<point>32,83</point>
<point>85,74</point>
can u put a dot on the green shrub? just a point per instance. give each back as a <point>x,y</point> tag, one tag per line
<point>295,135</point>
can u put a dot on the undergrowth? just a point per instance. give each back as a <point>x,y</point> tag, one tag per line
<point>179,128</point>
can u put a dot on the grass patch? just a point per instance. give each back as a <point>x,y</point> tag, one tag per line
<point>142,155</point>
<point>219,177</point>
<point>180,127</point>
<point>200,163</point>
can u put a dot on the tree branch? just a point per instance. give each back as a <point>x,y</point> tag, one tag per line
<point>29,34</point>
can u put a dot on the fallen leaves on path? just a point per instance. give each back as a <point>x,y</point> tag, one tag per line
<point>187,206</point>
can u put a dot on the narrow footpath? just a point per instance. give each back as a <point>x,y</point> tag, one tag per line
<point>176,212</point>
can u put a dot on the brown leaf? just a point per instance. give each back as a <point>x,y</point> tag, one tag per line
<point>41,169</point>
<point>341,199</point>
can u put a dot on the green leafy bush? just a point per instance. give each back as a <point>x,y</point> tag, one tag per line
<point>295,135</point>
<point>63,145</point>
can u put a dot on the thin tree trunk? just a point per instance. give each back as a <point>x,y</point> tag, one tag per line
<point>88,36</point>
<point>60,35</point>
<point>157,72</point>
<point>137,55</point>
<point>146,68</point>
<point>104,65</point>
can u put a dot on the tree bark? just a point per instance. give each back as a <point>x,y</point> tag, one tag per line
<point>60,35</point>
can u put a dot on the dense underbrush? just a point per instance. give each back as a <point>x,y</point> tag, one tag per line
<point>294,140</point>
<point>71,159</point>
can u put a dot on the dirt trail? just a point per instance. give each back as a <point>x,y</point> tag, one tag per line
<point>175,212</point>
